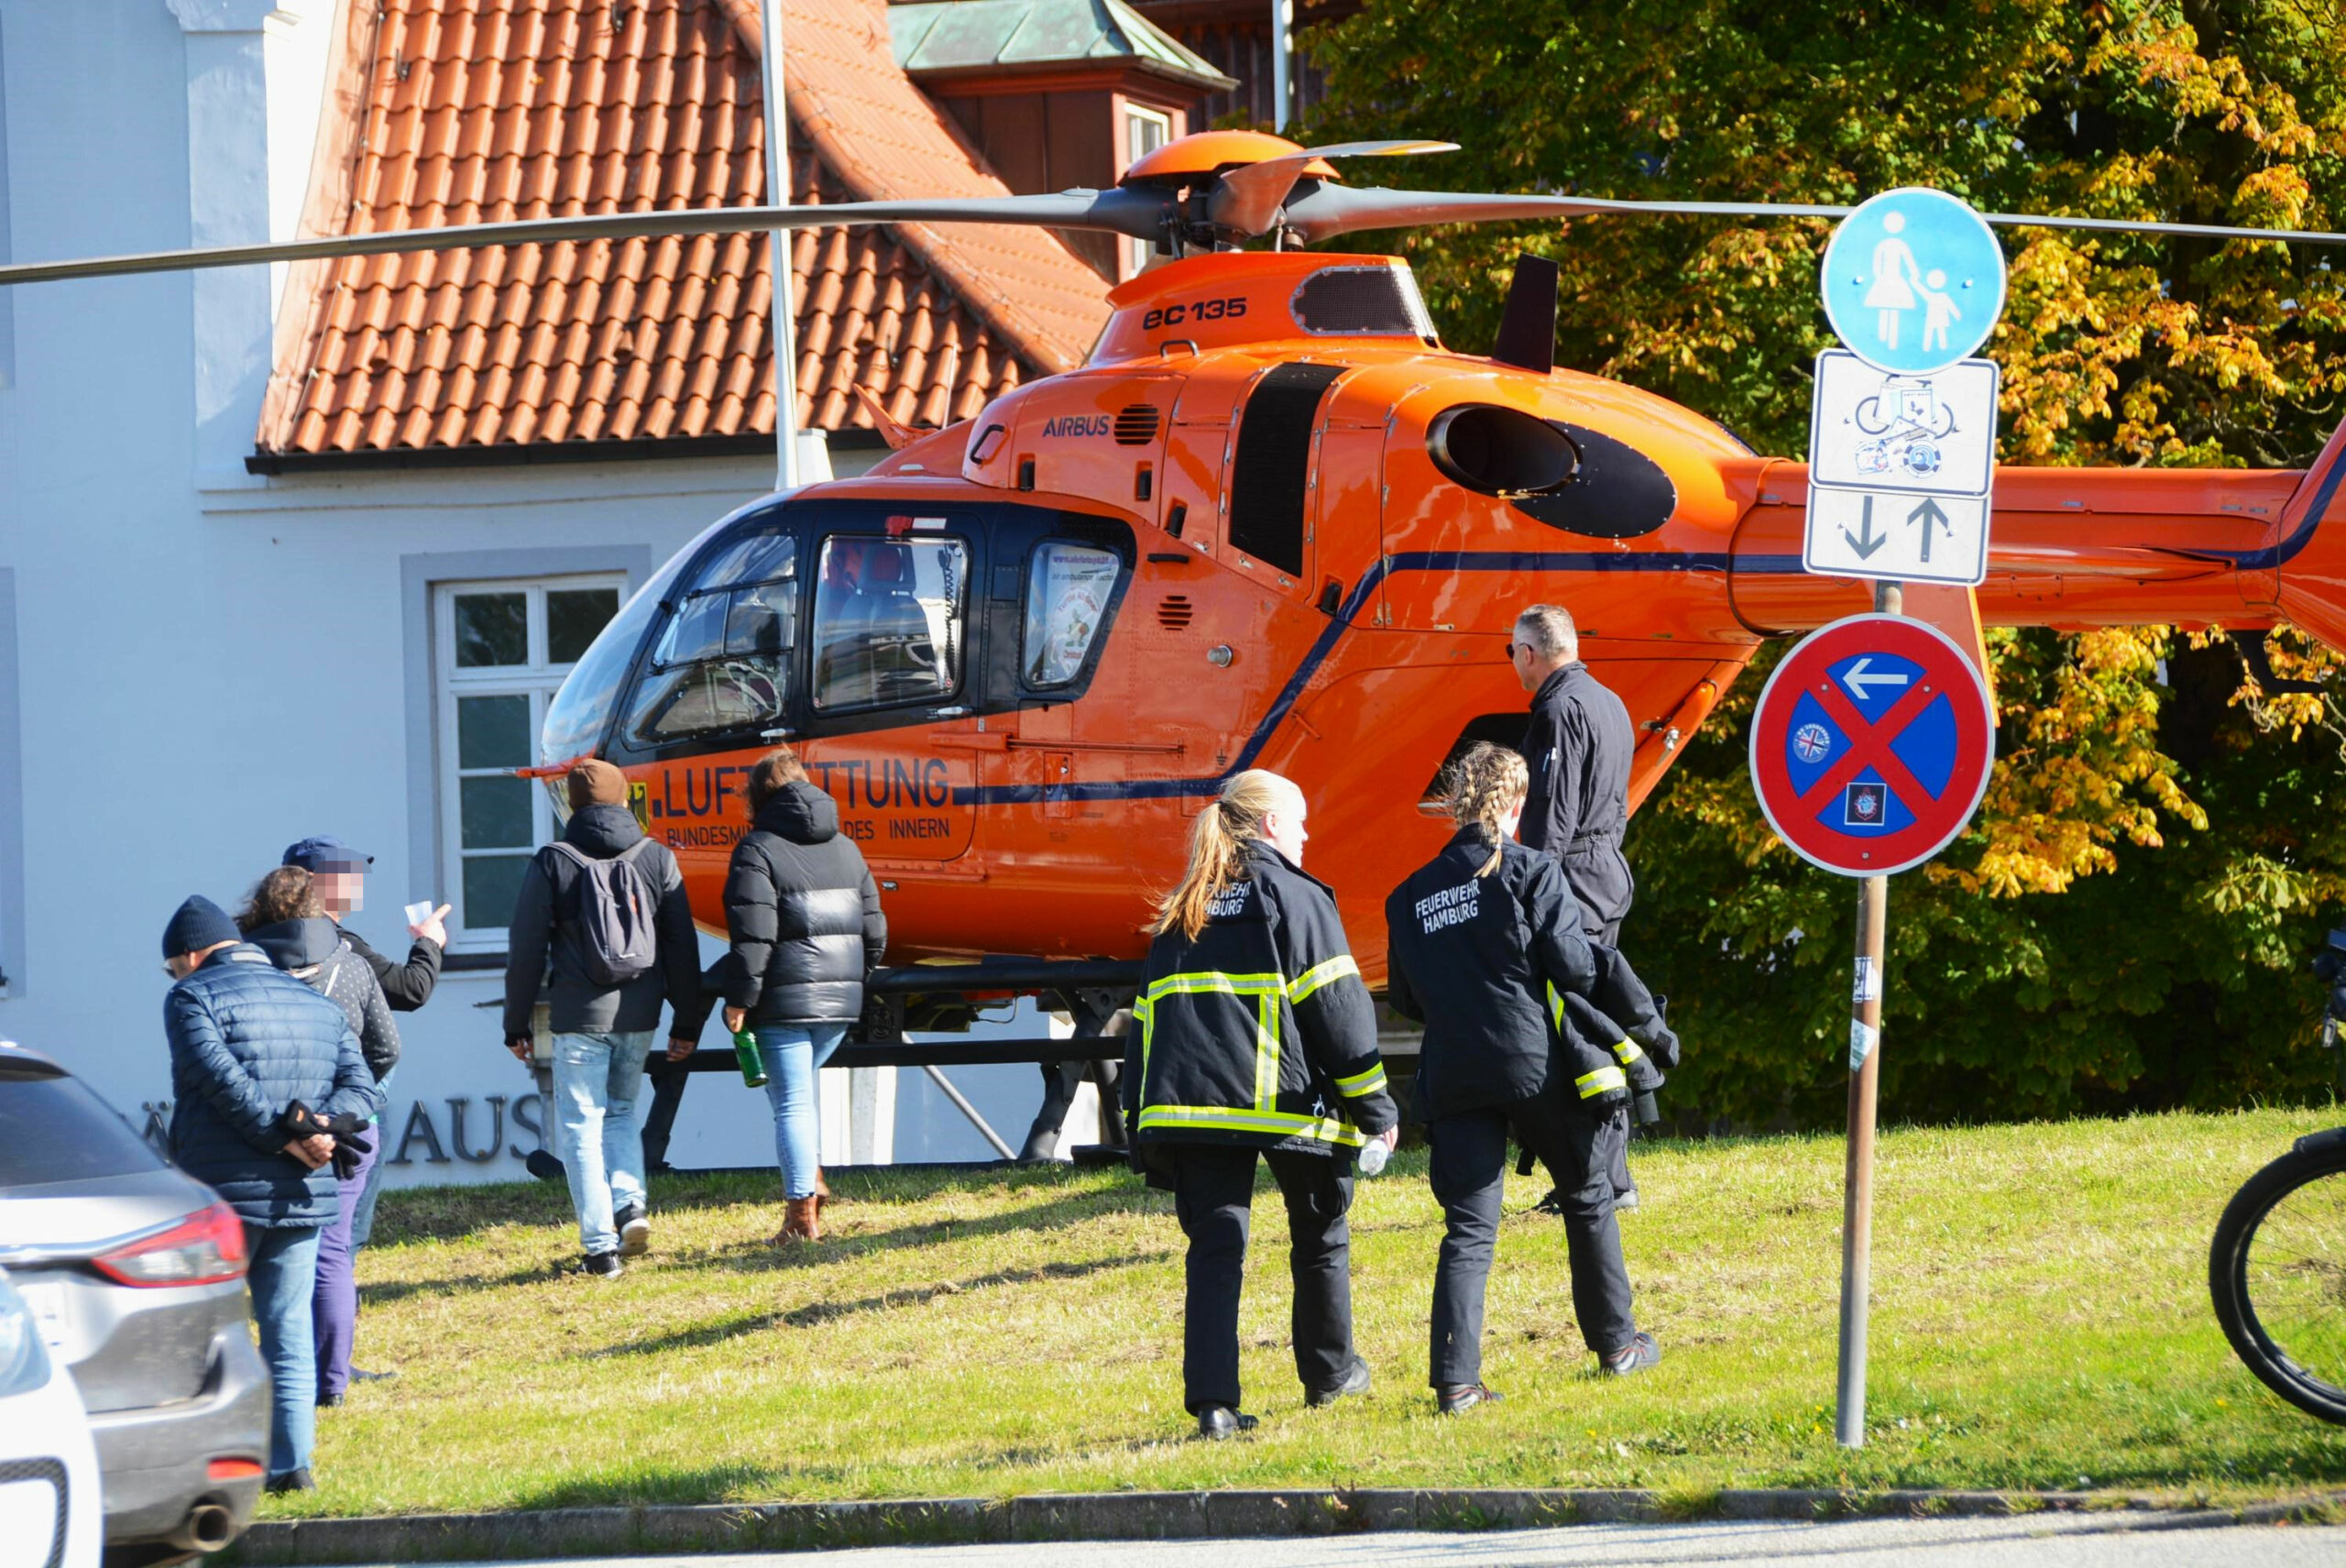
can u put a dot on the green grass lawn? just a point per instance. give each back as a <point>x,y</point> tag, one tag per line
<point>2041,1319</point>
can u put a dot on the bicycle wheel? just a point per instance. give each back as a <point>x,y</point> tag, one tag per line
<point>2277,1271</point>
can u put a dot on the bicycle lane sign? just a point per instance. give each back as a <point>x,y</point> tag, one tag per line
<point>1871,745</point>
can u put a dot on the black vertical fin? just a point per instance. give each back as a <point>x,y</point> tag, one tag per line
<point>1527,330</point>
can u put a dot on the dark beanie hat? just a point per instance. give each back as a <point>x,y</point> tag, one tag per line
<point>196,925</point>
<point>595,782</point>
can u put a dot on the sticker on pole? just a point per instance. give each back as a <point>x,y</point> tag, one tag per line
<point>1912,281</point>
<point>1871,745</point>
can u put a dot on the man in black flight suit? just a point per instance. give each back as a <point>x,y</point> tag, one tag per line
<point>1578,748</point>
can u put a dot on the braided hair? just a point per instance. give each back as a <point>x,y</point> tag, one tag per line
<point>1482,785</point>
<point>1215,842</point>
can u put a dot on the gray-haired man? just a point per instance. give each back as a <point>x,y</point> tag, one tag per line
<point>1578,748</point>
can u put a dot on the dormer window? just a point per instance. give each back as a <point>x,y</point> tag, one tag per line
<point>1146,130</point>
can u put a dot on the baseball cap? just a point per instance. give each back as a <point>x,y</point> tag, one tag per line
<point>327,853</point>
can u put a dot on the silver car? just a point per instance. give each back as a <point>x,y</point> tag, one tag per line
<point>137,1274</point>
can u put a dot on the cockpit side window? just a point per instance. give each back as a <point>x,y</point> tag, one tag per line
<point>723,661</point>
<point>889,615</point>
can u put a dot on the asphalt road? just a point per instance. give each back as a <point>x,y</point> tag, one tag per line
<point>2041,1541</point>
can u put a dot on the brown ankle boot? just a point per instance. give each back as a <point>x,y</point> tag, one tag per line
<point>799,1223</point>
<point>822,1192</point>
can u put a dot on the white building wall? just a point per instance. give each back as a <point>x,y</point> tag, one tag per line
<point>204,665</point>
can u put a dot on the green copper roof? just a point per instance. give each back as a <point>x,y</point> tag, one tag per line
<point>938,36</point>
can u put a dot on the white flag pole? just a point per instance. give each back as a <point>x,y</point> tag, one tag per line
<point>785,314</point>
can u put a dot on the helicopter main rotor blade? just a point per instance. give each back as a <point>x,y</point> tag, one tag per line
<point>1139,213</point>
<point>1330,210</point>
<point>1247,200</point>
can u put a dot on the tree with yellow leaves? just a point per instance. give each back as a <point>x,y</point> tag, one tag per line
<point>2127,921</point>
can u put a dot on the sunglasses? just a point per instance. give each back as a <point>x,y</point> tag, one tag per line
<point>1525,647</point>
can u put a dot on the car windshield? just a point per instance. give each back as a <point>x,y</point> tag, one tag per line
<point>54,1129</point>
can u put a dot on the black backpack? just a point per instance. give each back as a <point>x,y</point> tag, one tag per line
<point>617,905</point>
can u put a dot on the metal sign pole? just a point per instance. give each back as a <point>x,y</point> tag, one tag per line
<point>783,311</point>
<point>1865,1084</point>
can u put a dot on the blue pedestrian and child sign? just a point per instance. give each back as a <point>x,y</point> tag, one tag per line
<point>1913,281</point>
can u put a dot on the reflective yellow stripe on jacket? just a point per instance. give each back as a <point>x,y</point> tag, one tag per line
<point>1592,1084</point>
<point>1317,975</point>
<point>1218,1118</point>
<point>1268,991</point>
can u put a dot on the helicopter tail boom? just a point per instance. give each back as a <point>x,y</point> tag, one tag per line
<point>2076,548</point>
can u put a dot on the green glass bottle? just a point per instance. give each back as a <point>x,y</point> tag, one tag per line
<point>745,1051</point>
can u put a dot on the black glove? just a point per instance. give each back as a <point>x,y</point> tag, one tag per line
<point>347,1130</point>
<point>347,1149</point>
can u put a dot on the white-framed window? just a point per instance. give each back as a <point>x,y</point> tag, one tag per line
<point>1146,130</point>
<point>500,651</point>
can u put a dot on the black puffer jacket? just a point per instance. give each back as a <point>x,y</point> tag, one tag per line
<point>1479,960</point>
<point>247,1041</point>
<point>315,951</point>
<point>804,915</point>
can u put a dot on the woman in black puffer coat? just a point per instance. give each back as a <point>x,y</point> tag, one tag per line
<point>804,916</point>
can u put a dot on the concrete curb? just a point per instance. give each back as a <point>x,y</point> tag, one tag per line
<point>1128,1516</point>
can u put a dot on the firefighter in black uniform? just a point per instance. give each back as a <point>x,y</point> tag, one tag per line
<point>1255,1034</point>
<point>1578,747</point>
<point>1483,940</point>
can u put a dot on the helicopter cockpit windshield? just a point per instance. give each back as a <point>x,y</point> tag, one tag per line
<point>722,662</point>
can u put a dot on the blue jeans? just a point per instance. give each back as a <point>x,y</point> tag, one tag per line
<point>596,1078</point>
<point>283,1276</point>
<point>793,1054</point>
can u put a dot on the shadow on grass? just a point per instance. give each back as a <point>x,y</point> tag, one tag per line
<point>753,1253</point>
<point>813,1314</point>
<point>454,1213</point>
<point>841,1244</point>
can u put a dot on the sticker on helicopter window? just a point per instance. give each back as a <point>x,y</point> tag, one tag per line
<point>1068,588</point>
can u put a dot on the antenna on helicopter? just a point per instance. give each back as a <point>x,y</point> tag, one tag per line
<point>1527,330</point>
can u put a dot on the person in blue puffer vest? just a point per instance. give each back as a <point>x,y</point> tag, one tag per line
<point>248,1044</point>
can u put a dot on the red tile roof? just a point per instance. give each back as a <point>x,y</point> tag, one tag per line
<point>480,111</point>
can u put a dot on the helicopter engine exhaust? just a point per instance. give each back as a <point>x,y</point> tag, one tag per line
<point>1498,451</point>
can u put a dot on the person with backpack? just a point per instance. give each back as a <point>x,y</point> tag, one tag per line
<point>285,919</point>
<point>602,927</point>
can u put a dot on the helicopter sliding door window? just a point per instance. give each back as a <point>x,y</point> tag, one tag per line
<point>1146,130</point>
<point>501,651</point>
<point>888,617</point>
<point>1068,587</point>
<point>722,663</point>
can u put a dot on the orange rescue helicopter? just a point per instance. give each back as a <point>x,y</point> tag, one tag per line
<point>1271,521</point>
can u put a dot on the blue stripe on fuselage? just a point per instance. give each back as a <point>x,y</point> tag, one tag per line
<point>1454,561</point>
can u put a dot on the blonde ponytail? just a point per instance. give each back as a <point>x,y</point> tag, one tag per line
<point>1215,842</point>
<point>1483,785</point>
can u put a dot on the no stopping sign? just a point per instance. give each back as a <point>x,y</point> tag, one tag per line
<point>1871,745</point>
